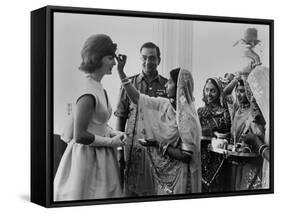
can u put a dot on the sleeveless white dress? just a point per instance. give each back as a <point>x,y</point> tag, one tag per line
<point>87,172</point>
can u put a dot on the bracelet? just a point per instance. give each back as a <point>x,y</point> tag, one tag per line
<point>261,148</point>
<point>262,154</point>
<point>125,79</point>
<point>126,83</point>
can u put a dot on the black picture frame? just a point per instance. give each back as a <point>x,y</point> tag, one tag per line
<point>42,91</point>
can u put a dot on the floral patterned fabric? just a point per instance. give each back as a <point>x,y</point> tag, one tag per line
<point>213,118</point>
<point>159,121</point>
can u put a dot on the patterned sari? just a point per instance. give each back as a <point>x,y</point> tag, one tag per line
<point>213,118</point>
<point>247,118</point>
<point>177,128</point>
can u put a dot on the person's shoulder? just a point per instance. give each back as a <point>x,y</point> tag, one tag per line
<point>201,110</point>
<point>163,78</point>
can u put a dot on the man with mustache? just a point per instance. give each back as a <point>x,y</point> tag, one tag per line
<point>137,177</point>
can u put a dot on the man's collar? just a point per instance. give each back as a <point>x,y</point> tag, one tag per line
<point>143,76</point>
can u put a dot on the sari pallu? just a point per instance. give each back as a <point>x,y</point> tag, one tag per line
<point>259,83</point>
<point>158,120</point>
<point>247,118</point>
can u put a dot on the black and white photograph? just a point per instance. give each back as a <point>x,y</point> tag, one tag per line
<point>151,107</point>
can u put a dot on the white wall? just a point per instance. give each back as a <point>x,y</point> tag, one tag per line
<point>214,54</point>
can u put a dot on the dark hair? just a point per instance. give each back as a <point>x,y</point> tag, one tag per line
<point>95,48</point>
<point>174,75</point>
<point>151,45</point>
<point>240,83</point>
<point>218,89</point>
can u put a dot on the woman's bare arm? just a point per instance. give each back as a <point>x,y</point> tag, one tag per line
<point>173,152</point>
<point>131,91</point>
<point>84,107</point>
<point>178,154</point>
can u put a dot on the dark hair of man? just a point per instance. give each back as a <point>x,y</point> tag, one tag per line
<point>151,45</point>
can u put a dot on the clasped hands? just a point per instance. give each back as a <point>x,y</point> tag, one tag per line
<point>118,138</point>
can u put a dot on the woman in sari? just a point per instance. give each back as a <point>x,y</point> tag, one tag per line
<point>259,83</point>
<point>214,117</point>
<point>247,119</point>
<point>172,131</point>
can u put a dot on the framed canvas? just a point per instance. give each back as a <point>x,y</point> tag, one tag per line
<point>131,106</point>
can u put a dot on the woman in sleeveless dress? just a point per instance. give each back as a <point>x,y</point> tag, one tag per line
<point>89,167</point>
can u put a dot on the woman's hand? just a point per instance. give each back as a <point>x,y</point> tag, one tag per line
<point>121,60</point>
<point>252,140</point>
<point>118,140</point>
<point>131,91</point>
<point>148,142</point>
<point>114,133</point>
<point>237,76</point>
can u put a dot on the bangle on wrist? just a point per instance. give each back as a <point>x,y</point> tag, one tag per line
<point>261,148</point>
<point>124,79</point>
<point>126,83</point>
<point>262,154</point>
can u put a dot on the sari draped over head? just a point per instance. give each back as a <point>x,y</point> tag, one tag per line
<point>189,125</point>
<point>258,81</point>
<point>214,116</point>
<point>247,117</point>
<point>179,128</point>
<point>219,87</point>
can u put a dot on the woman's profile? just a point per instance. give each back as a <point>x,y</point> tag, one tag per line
<point>89,168</point>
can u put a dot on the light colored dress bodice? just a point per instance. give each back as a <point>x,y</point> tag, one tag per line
<point>103,110</point>
<point>89,172</point>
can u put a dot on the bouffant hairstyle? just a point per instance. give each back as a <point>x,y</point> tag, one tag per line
<point>152,45</point>
<point>95,48</point>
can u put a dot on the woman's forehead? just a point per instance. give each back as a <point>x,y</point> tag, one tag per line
<point>210,84</point>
